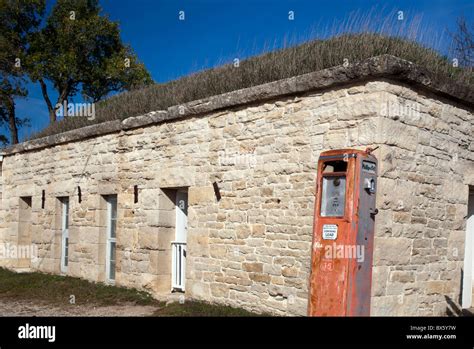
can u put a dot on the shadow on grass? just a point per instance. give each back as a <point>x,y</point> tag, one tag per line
<point>203,309</point>
<point>57,289</point>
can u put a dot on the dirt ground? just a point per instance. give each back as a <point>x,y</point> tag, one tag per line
<point>27,308</point>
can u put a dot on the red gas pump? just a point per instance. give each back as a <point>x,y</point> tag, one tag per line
<point>343,234</point>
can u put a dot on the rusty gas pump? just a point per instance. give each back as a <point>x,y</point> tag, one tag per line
<point>343,234</point>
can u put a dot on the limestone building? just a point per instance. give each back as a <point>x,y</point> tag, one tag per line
<point>216,197</point>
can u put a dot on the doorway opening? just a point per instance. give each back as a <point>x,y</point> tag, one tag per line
<point>468,271</point>
<point>178,245</point>
<point>24,232</point>
<point>64,209</point>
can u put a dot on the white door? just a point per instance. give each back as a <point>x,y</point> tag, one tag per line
<point>468,277</point>
<point>178,258</point>
<point>64,233</point>
<point>111,238</point>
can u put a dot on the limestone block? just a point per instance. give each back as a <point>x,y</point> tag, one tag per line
<point>253,267</point>
<point>390,251</point>
<point>176,177</point>
<point>257,277</point>
<point>201,195</point>
<point>219,290</point>
<point>379,280</point>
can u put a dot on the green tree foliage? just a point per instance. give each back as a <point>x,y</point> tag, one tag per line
<point>80,50</point>
<point>18,19</point>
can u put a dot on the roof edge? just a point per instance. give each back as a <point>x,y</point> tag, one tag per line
<point>384,66</point>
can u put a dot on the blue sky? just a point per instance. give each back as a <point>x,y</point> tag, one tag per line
<point>217,31</point>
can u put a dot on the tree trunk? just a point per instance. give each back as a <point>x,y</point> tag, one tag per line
<point>63,97</point>
<point>12,120</point>
<point>51,110</point>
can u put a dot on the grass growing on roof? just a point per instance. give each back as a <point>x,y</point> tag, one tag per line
<point>283,63</point>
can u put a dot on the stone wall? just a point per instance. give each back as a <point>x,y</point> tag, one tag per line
<point>252,247</point>
<point>427,164</point>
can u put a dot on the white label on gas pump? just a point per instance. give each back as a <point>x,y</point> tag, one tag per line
<point>329,231</point>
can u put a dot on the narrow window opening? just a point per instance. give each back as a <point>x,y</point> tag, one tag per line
<point>110,255</point>
<point>24,230</point>
<point>64,207</point>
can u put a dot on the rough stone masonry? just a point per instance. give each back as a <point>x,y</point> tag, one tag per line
<point>252,247</point>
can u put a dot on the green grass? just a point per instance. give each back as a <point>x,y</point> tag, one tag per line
<point>202,309</point>
<point>57,289</point>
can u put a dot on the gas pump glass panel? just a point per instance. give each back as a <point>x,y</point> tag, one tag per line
<point>333,196</point>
